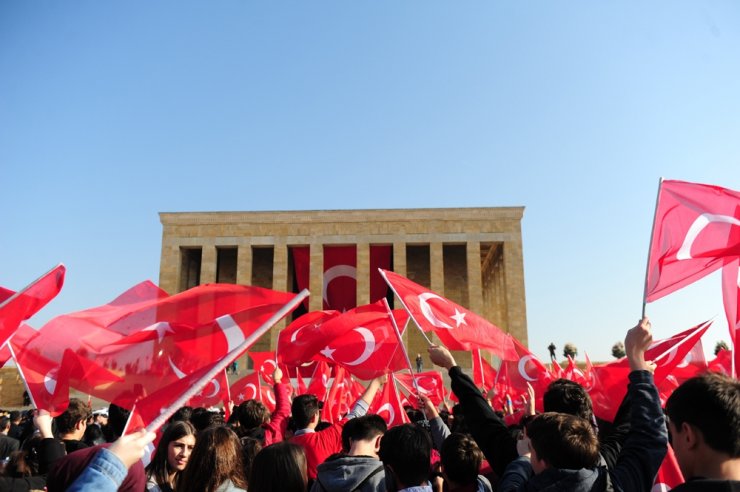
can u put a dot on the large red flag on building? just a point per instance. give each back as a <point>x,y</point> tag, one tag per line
<point>693,234</point>
<point>731,298</point>
<point>16,307</point>
<point>340,277</point>
<point>387,404</point>
<point>457,327</point>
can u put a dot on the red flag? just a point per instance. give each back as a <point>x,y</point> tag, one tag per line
<point>153,339</point>
<point>364,341</point>
<point>4,355</point>
<point>722,363</point>
<point>430,384</point>
<point>556,370</point>
<point>611,379</point>
<point>304,337</point>
<point>692,235</point>
<point>484,375</point>
<point>334,403</point>
<point>340,277</point>
<point>264,364</point>
<point>731,298</point>
<point>669,474</point>
<point>525,368</point>
<point>246,388</point>
<point>456,327</point>
<point>19,306</point>
<point>215,392</point>
<point>380,258</point>
<point>387,404</point>
<point>302,266</point>
<point>319,384</point>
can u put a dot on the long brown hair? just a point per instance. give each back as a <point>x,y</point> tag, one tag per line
<point>280,467</point>
<point>217,457</point>
<point>159,468</point>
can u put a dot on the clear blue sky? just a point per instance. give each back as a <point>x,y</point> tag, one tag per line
<point>111,112</point>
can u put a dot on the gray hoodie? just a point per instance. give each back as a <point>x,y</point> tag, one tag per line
<point>350,473</point>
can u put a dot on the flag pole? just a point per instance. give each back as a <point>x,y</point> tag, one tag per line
<point>24,289</point>
<point>382,273</point>
<point>223,363</point>
<point>650,248</point>
<point>20,371</point>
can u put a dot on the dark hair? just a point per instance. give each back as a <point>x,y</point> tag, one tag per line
<point>569,397</point>
<point>304,408</point>
<point>182,413</point>
<point>203,419</point>
<point>252,413</point>
<point>217,457</point>
<point>406,449</point>
<point>25,461</point>
<point>461,459</point>
<point>76,412</point>
<point>711,403</point>
<point>362,429</point>
<point>159,467</point>
<point>93,435</point>
<point>279,467</point>
<point>458,420</point>
<point>4,424</point>
<point>250,447</point>
<point>15,416</point>
<point>564,441</point>
<point>117,418</point>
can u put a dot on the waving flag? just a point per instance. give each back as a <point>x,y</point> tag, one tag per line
<point>16,307</point>
<point>525,368</point>
<point>387,404</point>
<point>456,327</point>
<point>335,401</point>
<point>731,298</point>
<point>484,375</point>
<point>246,388</point>
<point>429,383</point>
<point>319,384</point>
<point>304,337</point>
<point>695,230</point>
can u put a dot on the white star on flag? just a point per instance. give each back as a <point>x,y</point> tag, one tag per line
<point>241,396</point>
<point>161,328</point>
<point>328,352</point>
<point>459,318</point>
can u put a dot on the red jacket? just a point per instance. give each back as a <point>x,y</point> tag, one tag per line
<point>275,428</point>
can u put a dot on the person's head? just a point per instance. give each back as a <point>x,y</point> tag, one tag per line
<point>4,425</point>
<point>25,461</point>
<point>704,423</point>
<point>172,453</point>
<point>216,457</point>
<point>560,440</point>
<point>100,417</point>
<point>305,410</point>
<point>250,447</point>
<point>565,396</point>
<point>117,418</point>
<point>361,436</point>
<point>405,451</point>
<point>15,417</point>
<point>461,459</point>
<point>72,423</point>
<point>93,435</point>
<point>182,413</point>
<point>279,467</point>
<point>252,413</point>
<point>203,418</point>
<point>458,420</point>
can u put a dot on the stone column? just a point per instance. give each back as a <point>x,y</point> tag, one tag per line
<point>169,268</point>
<point>514,290</point>
<point>436,268</point>
<point>244,265</point>
<point>279,282</point>
<point>316,277</point>
<point>475,282</point>
<point>399,258</point>
<point>208,264</point>
<point>363,273</point>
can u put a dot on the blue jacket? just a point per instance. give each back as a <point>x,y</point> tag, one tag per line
<point>105,473</point>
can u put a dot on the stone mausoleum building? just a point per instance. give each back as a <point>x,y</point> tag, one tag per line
<point>472,256</point>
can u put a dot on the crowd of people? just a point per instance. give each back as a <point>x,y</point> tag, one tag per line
<point>469,449</point>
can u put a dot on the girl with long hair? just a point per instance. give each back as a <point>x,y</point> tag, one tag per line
<point>279,467</point>
<point>171,457</point>
<point>216,464</point>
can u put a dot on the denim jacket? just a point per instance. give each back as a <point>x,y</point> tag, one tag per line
<point>105,473</point>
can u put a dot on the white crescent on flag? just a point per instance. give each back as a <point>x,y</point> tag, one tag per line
<point>684,253</point>
<point>427,311</point>
<point>523,367</point>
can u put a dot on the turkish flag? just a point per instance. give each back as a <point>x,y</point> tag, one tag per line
<point>484,375</point>
<point>456,327</point>
<point>150,340</point>
<point>524,368</point>
<point>380,258</point>
<point>573,373</point>
<point>556,370</point>
<point>303,338</point>
<point>319,384</point>
<point>16,307</point>
<point>214,393</point>
<point>430,384</point>
<point>387,404</point>
<point>611,379</point>
<point>695,230</point>
<point>722,363</point>
<point>335,400</point>
<point>692,365</point>
<point>340,277</point>
<point>265,364</point>
<point>4,355</point>
<point>364,341</point>
<point>731,298</point>
<point>669,474</point>
<point>302,268</point>
<point>246,388</point>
